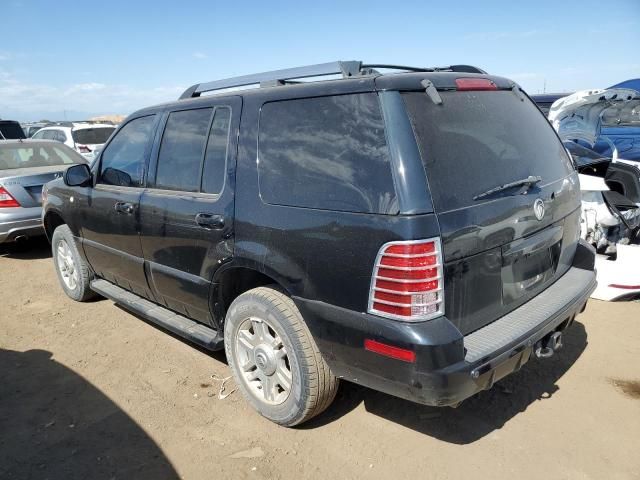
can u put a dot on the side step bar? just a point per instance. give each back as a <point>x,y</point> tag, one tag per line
<point>193,331</point>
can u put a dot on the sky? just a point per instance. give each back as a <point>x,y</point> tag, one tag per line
<point>73,59</point>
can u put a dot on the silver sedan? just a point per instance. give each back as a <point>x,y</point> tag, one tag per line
<point>25,166</point>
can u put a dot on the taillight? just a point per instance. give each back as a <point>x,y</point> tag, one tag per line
<point>6,200</point>
<point>466,84</point>
<point>407,281</point>
<point>83,149</point>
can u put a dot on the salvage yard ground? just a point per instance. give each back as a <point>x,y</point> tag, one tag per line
<point>90,391</point>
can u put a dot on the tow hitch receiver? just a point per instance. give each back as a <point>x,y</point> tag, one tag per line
<point>550,344</point>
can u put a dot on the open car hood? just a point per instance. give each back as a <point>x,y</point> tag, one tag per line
<point>580,116</point>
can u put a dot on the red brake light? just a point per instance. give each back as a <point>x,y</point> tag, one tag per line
<point>389,351</point>
<point>6,200</point>
<point>466,84</point>
<point>407,281</point>
<point>624,287</point>
<point>84,149</point>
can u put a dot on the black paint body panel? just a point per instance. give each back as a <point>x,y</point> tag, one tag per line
<point>324,259</point>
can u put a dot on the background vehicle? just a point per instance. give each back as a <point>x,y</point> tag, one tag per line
<point>25,166</point>
<point>400,231</point>
<point>545,100</point>
<point>83,137</point>
<point>10,129</point>
<point>610,187</point>
<point>31,128</point>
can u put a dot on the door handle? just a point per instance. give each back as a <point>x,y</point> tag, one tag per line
<point>123,207</point>
<point>209,220</point>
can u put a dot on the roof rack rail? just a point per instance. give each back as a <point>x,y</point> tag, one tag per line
<point>347,69</point>
<point>450,68</point>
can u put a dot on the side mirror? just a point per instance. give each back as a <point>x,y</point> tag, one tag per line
<point>78,176</point>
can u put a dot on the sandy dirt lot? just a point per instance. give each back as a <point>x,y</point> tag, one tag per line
<point>91,391</point>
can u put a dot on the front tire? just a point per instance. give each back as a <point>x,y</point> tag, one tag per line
<point>73,272</point>
<point>274,358</point>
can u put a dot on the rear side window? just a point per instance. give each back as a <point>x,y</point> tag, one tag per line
<point>215,160</point>
<point>476,141</point>
<point>326,153</point>
<point>182,149</point>
<point>123,160</point>
<point>92,136</point>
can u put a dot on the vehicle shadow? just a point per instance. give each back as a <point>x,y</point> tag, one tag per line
<point>56,425</point>
<point>478,416</point>
<point>34,248</point>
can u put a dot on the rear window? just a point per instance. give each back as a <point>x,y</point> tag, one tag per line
<point>92,136</point>
<point>476,141</point>
<point>327,153</point>
<point>11,130</point>
<point>20,156</point>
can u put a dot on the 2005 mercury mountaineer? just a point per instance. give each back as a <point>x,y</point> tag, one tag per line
<point>416,232</point>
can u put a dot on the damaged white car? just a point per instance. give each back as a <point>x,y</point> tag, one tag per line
<point>610,186</point>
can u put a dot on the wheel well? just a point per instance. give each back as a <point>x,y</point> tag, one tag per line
<point>235,281</point>
<point>52,221</point>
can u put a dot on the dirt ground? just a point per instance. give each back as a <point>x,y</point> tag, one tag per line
<point>91,391</point>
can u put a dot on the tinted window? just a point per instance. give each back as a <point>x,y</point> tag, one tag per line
<point>11,130</point>
<point>92,136</point>
<point>476,141</point>
<point>182,149</point>
<point>49,134</point>
<point>60,136</point>
<point>123,160</point>
<point>328,153</point>
<point>216,157</point>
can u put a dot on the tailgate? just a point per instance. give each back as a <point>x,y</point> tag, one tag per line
<point>499,251</point>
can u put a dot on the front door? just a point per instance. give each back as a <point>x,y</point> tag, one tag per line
<point>111,223</point>
<point>187,212</point>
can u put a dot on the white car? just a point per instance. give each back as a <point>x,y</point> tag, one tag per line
<point>84,137</point>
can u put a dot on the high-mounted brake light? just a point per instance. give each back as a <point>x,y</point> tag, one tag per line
<point>467,84</point>
<point>407,281</point>
<point>6,200</point>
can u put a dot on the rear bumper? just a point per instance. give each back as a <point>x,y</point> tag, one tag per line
<point>449,367</point>
<point>16,222</point>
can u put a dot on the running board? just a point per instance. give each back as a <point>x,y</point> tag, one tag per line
<point>193,331</point>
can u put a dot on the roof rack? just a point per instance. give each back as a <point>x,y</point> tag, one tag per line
<point>347,69</point>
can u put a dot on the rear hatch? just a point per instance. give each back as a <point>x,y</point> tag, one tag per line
<point>498,253</point>
<point>87,140</point>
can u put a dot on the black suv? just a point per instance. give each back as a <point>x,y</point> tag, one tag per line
<point>416,232</point>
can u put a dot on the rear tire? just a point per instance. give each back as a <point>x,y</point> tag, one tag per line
<point>73,272</point>
<point>274,358</point>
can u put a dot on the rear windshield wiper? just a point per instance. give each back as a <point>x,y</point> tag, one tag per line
<point>528,182</point>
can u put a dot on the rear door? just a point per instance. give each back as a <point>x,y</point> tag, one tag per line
<point>187,212</point>
<point>500,249</point>
<point>110,215</point>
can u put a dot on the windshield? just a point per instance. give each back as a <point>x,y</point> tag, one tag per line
<point>17,155</point>
<point>476,141</point>
<point>92,136</point>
